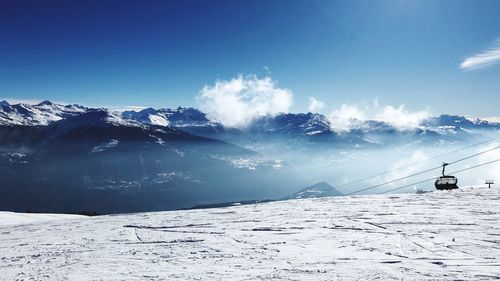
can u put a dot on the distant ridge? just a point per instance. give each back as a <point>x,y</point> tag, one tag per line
<point>296,130</point>
<point>321,189</point>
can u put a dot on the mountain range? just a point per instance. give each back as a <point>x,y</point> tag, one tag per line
<point>72,158</point>
<point>305,127</point>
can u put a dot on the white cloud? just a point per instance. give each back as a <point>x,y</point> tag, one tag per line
<point>495,119</point>
<point>401,118</point>
<point>346,118</point>
<point>315,105</point>
<point>237,102</point>
<point>352,116</point>
<point>483,59</point>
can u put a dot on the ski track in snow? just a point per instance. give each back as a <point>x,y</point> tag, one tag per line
<point>439,235</point>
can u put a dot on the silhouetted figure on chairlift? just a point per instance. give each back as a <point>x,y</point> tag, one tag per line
<point>445,182</point>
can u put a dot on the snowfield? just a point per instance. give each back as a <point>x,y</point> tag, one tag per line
<point>438,235</point>
<point>11,218</point>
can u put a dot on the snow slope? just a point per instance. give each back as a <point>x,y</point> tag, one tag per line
<point>11,218</point>
<point>43,113</point>
<point>439,235</point>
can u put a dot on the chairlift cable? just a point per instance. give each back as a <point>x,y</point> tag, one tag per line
<point>433,178</point>
<point>415,163</point>
<point>422,172</point>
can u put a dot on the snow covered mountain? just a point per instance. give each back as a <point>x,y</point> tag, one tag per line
<point>321,189</point>
<point>179,117</point>
<point>97,161</point>
<point>446,120</point>
<point>290,125</point>
<point>309,127</point>
<point>158,159</point>
<point>300,130</point>
<point>43,113</point>
<point>190,120</point>
<point>56,158</point>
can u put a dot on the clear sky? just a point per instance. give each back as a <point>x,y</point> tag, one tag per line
<point>162,53</point>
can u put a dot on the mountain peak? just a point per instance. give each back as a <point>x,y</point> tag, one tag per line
<point>46,102</point>
<point>4,103</point>
<point>97,118</point>
<point>148,110</point>
<point>321,189</point>
<point>322,185</point>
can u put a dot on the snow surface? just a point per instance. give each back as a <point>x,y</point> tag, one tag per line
<point>439,235</point>
<point>158,120</point>
<point>11,218</point>
<point>43,113</point>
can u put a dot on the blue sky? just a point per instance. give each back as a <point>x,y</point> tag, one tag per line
<point>162,53</point>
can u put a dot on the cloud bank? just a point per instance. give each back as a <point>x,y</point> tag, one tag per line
<point>236,103</point>
<point>484,59</point>
<point>315,105</point>
<point>349,116</point>
<point>401,118</point>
